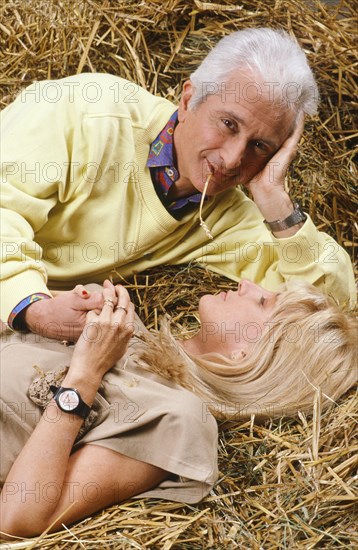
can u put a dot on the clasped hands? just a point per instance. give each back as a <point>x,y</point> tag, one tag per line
<point>68,313</point>
<point>106,334</point>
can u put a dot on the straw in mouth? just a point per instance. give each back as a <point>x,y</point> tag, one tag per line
<point>202,223</point>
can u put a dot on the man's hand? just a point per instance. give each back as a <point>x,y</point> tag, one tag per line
<point>268,186</point>
<point>63,316</point>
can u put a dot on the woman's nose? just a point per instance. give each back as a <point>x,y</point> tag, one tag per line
<point>250,288</point>
<point>246,286</point>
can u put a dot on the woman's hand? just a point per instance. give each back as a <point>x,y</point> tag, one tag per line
<point>47,460</point>
<point>105,336</point>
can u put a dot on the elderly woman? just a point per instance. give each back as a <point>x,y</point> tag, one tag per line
<point>128,413</point>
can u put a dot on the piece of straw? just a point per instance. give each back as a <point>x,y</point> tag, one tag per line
<point>202,223</point>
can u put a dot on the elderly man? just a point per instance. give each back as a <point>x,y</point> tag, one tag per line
<point>102,178</point>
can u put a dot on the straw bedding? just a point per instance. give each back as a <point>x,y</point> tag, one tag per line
<point>287,484</point>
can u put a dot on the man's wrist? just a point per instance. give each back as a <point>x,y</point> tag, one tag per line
<point>296,217</point>
<point>274,204</point>
<point>17,318</point>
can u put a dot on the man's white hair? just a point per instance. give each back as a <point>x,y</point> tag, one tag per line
<point>270,55</point>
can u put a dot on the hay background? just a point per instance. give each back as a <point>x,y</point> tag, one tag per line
<point>289,484</point>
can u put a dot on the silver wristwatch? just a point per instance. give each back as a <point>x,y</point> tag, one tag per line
<point>297,216</point>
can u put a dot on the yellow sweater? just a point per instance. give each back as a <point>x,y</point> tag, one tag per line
<point>78,202</point>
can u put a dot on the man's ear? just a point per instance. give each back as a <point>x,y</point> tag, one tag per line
<point>187,94</point>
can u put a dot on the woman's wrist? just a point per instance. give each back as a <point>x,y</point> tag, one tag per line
<point>86,383</point>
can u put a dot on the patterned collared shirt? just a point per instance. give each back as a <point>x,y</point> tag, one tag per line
<point>164,172</point>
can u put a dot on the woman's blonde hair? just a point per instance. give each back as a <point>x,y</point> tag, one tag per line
<point>309,344</point>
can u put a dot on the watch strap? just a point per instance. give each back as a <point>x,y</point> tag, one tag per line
<point>82,409</point>
<point>296,217</point>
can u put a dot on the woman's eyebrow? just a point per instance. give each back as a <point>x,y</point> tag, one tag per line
<point>272,299</point>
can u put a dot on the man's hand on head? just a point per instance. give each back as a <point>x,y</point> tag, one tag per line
<point>268,186</point>
<point>63,316</point>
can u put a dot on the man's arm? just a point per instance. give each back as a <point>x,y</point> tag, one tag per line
<point>35,178</point>
<point>62,317</point>
<point>268,187</point>
<point>245,248</point>
<point>33,152</point>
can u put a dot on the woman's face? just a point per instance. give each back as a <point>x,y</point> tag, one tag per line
<point>232,322</point>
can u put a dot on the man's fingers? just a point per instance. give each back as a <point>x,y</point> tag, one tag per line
<point>91,316</point>
<point>293,140</point>
<point>93,301</point>
<point>107,284</point>
<point>131,315</point>
<point>124,310</point>
<point>81,291</point>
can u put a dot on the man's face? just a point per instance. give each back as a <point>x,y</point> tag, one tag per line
<point>232,135</point>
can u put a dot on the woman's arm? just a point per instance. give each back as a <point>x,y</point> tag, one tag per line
<point>46,480</point>
<point>95,477</point>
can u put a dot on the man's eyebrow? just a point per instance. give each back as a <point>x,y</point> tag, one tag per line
<point>272,144</point>
<point>233,115</point>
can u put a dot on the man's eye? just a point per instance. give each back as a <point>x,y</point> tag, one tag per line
<point>261,147</point>
<point>228,123</point>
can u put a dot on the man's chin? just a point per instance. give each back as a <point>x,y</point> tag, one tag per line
<point>220,184</point>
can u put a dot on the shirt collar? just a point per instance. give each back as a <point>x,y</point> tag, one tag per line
<point>161,151</point>
<point>164,172</point>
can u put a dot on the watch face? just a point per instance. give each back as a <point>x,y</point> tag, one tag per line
<point>68,400</point>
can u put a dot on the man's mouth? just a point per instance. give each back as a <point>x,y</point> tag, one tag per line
<point>211,167</point>
<point>219,174</point>
<point>222,176</point>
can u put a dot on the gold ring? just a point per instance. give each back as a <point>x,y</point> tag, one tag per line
<point>122,307</point>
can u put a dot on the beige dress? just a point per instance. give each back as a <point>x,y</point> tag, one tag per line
<point>140,414</point>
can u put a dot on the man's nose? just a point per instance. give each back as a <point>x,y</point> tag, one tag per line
<point>233,155</point>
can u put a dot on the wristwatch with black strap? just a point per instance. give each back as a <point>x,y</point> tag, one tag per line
<point>70,401</point>
<point>296,217</point>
